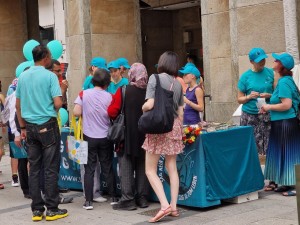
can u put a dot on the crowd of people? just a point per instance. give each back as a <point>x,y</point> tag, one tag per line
<point>270,105</point>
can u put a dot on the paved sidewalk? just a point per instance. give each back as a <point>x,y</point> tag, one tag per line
<point>270,209</point>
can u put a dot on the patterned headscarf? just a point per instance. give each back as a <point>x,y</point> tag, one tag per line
<point>138,75</point>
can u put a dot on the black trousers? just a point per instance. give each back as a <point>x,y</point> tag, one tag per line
<point>43,145</point>
<point>104,149</point>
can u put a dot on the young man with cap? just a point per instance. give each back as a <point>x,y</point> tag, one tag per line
<point>116,77</point>
<point>96,63</point>
<point>38,100</point>
<point>194,96</point>
<point>283,150</point>
<point>256,84</point>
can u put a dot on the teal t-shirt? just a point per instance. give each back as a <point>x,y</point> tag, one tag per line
<point>285,89</point>
<point>261,82</point>
<point>87,84</point>
<point>112,87</point>
<point>36,89</point>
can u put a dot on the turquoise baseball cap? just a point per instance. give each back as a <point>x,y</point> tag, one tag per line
<point>99,62</point>
<point>123,62</point>
<point>286,60</point>
<point>257,54</point>
<point>190,69</point>
<point>113,64</point>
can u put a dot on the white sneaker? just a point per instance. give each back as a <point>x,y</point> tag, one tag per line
<point>100,199</point>
<point>15,181</point>
<point>88,205</point>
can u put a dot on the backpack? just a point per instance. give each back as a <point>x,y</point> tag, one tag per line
<point>160,119</point>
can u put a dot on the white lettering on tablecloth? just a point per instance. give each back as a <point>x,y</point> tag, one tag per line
<point>190,191</point>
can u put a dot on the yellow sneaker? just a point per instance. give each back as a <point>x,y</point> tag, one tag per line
<point>37,215</point>
<point>56,214</point>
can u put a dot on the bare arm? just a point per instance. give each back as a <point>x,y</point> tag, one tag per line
<point>77,111</point>
<point>57,102</point>
<point>180,113</point>
<point>148,105</point>
<point>243,98</point>
<point>199,95</point>
<point>286,104</point>
<point>20,119</point>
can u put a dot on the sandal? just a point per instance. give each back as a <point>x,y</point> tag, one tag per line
<point>271,187</point>
<point>161,214</point>
<point>174,213</point>
<point>1,186</point>
<point>283,189</point>
<point>289,193</point>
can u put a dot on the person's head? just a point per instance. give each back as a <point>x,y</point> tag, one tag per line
<point>283,63</point>
<point>257,57</point>
<point>101,78</point>
<point>190,74</point>
<point>115,70</point>
<point>55,67</point>
<point>138,75</point>
<point>41,55</point>
<point>97,63</point>
<point>168,63</point>
<point>190,58</point>
<point>124,65</point>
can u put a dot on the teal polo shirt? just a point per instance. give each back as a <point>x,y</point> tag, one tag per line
<point>112,87</point>
<point>261,82</point>
<point>285,89</point>
<point>36,89</point>
<point>87,84</point>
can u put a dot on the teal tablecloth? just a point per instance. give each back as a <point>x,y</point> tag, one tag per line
<point>219,165</point>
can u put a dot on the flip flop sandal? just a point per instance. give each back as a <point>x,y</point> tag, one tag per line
<point>1,186</point>
<point>174,213</point>
<point>282,189</point>
<point>289,193</point>
<point>161,214</point>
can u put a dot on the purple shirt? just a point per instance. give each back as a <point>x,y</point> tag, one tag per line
<point>190,115</point>
<point>95,118</point>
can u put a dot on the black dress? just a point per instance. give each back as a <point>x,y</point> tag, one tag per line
<point>134,139</point>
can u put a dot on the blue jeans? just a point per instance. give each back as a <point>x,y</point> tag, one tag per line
<point>43,145</point>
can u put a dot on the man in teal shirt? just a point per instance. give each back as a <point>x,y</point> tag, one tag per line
<point>38,100</point>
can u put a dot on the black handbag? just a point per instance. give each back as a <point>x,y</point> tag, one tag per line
<point>160,119</point>
<point>116,132</point>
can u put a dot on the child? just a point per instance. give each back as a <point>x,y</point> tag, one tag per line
<point>194,96</point>
<point>95,63</point>
<point>116,77</point>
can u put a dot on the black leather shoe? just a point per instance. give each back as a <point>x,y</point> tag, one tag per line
<point>125,205</point>
<point>142,202</point>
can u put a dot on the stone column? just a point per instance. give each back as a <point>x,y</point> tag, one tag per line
<point>217,59</point>
<point>109,29</point>
<point>13,35</point>
<point>78,39</point>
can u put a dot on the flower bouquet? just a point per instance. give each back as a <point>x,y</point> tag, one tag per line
<point>190,133</point>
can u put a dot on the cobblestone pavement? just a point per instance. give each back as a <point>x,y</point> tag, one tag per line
<point>269,209</point>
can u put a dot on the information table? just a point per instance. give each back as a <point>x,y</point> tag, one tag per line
<point>219,165</point>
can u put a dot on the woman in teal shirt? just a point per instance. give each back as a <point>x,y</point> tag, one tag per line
<point>256,84</point>
<point>284,146</point>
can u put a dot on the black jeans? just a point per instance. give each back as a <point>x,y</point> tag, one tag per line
<point>104,149</point>
<point>43,146</point>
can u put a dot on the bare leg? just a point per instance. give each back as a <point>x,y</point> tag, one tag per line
<point>151,172</point>
<point>14,166</point>
<point>174,180</point>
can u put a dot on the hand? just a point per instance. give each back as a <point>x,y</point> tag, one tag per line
<point>23,134</point>
<point>64,85</point>
<point>18,141</point>
<point>253,95</point>
<point>265,95</point>
<point>265,108</point>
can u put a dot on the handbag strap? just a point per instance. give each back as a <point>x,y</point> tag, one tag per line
<point>123,90</point>
<point>158,81</point>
